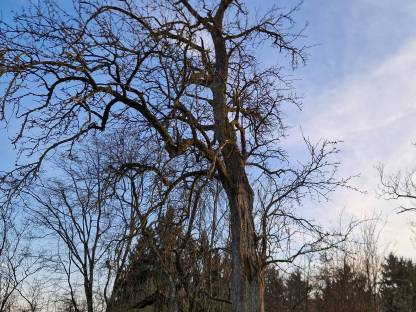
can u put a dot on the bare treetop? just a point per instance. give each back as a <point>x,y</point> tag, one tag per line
<point>151,64</point>
<point>184,77</point>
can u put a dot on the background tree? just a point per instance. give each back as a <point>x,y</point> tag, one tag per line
<point>400,187</point>
<point>76,210</point>
<point>274,290</point>
<point>33,296</point>
<point>17,263</point>
<point>297,292</point>
<point>344,289</point>
<point>371,256</point>
<point>169,276</point>
<point>397,289</point>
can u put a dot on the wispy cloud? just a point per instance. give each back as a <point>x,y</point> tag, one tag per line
<point>374,113</point>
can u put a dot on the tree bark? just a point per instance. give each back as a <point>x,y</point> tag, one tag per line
<point>261,290</point>
<point>88,295</point>
<point>245,280</point>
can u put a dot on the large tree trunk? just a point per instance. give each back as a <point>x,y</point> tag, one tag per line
<point>245,281</point>
<point>88,295</point>
<point>246,278</point>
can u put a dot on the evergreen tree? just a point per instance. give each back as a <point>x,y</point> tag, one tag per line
<point>398,285</point>
<point>343,291</point>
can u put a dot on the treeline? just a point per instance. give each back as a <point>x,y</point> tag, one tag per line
<point>342,283</point>
<point>350,280</point>
<point>344,288</point>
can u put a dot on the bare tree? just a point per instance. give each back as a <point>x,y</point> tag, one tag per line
<point>372,256</point>
<point>32,294</point>
<point>75,209</point>
<point>17,263</point>
<point>184,75</point>
<point>285,236</point>
<point>400,187</point>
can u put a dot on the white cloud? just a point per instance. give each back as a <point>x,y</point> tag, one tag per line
<point>374,113</point>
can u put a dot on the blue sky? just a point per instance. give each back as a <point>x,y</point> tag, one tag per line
<point>359,86</point>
